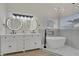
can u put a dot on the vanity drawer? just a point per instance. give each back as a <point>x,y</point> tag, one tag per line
<point>19,37</point>
<point>6,38</point>
<point>27,37</point>
<point>36,37</point>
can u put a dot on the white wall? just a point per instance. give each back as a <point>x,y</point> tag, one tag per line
<point>41,11</point>
<point>2,17</point>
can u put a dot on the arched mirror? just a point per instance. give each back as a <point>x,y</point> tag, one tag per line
<point>33,24</point>
<point>14,24</point>
<point>30,24</point>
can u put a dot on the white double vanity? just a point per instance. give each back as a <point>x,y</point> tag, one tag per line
<point>14,42</point>
<point>19,42</point>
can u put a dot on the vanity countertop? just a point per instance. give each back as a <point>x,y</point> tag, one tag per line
<point>23,34</point>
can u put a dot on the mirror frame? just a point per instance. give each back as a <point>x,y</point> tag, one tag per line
<point>10,27</point>
<point>36,25</point>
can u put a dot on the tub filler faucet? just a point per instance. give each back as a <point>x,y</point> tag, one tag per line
<point>45,39</point>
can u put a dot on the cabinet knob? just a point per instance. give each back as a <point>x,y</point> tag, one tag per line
<point>35,42</point>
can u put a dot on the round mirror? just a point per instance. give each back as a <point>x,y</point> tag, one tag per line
<point>14,24</point>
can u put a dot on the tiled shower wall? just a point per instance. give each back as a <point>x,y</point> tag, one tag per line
<point>72,36</point>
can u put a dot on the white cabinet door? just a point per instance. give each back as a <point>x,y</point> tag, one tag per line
<point>32,44</point>
<point>37,41</point>
<point>8,44</point>
<point>19,42</point>
<point>37,44</point>
<point>11,46</point>
<point>3,44</point>
<point>27,42</point>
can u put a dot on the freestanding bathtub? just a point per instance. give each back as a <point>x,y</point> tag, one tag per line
<point>55,42</point>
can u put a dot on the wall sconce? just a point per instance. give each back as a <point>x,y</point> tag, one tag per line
<point>20,16</point>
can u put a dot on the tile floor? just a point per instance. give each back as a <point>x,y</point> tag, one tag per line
<point>32,53</point>
<point>65,51</point>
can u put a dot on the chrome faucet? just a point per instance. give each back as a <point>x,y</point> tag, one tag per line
<point>13,32</point>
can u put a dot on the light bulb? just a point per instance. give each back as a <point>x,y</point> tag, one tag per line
<point>13,16</point>
<point>28,18</point>
<point>17,17</point>
<point>21,17</point>
<point>24,19</point>
<point>32,18</point>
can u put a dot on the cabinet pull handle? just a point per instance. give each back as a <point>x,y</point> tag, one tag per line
<point>13,36</point>
<point>10,46</point>
<point>5,37</point>
<point>32,35</point>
